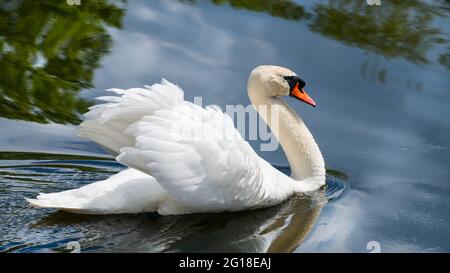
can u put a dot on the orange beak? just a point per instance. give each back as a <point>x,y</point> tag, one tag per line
<point>300,94</point>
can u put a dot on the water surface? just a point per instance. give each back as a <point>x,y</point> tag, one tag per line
<point>277,229</point>
<point>380,76</point>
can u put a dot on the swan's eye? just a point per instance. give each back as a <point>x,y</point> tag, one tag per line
<point>293,81</point>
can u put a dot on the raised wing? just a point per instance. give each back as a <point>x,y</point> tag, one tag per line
<point>201,160</point>
<point>106,123</point>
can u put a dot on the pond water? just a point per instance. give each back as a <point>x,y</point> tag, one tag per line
<point>380,76</point>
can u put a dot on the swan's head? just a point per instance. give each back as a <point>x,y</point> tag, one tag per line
<point>277,81</point>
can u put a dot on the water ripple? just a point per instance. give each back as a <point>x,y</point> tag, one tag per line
<point>22,175</point>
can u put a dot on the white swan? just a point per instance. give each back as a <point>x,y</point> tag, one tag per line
<point>171,172</point>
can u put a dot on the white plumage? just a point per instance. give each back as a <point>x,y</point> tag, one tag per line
<point>129,191</point>
<point>182,158</point>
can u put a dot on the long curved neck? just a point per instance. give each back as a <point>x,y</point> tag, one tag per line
<point>302,152</point>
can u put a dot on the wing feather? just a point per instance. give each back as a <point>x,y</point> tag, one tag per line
<point>106,123</point>
<point>198,156</point>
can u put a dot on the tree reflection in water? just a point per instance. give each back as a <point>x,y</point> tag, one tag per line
<point>398,29</point>
<point>50,50</point>
<point>48,53</point>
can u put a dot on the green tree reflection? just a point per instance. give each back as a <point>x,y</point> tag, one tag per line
<point>48,53</point>
<point>396,29</point>
<point>279,8</point>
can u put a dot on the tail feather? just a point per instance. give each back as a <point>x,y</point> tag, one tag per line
<point>129,191</point>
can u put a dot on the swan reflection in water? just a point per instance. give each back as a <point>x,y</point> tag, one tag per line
<point>276,229</point>
<point>281,228</point>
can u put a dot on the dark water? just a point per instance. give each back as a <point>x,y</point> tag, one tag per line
<point>278,229</point>
<point>380,76</point>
